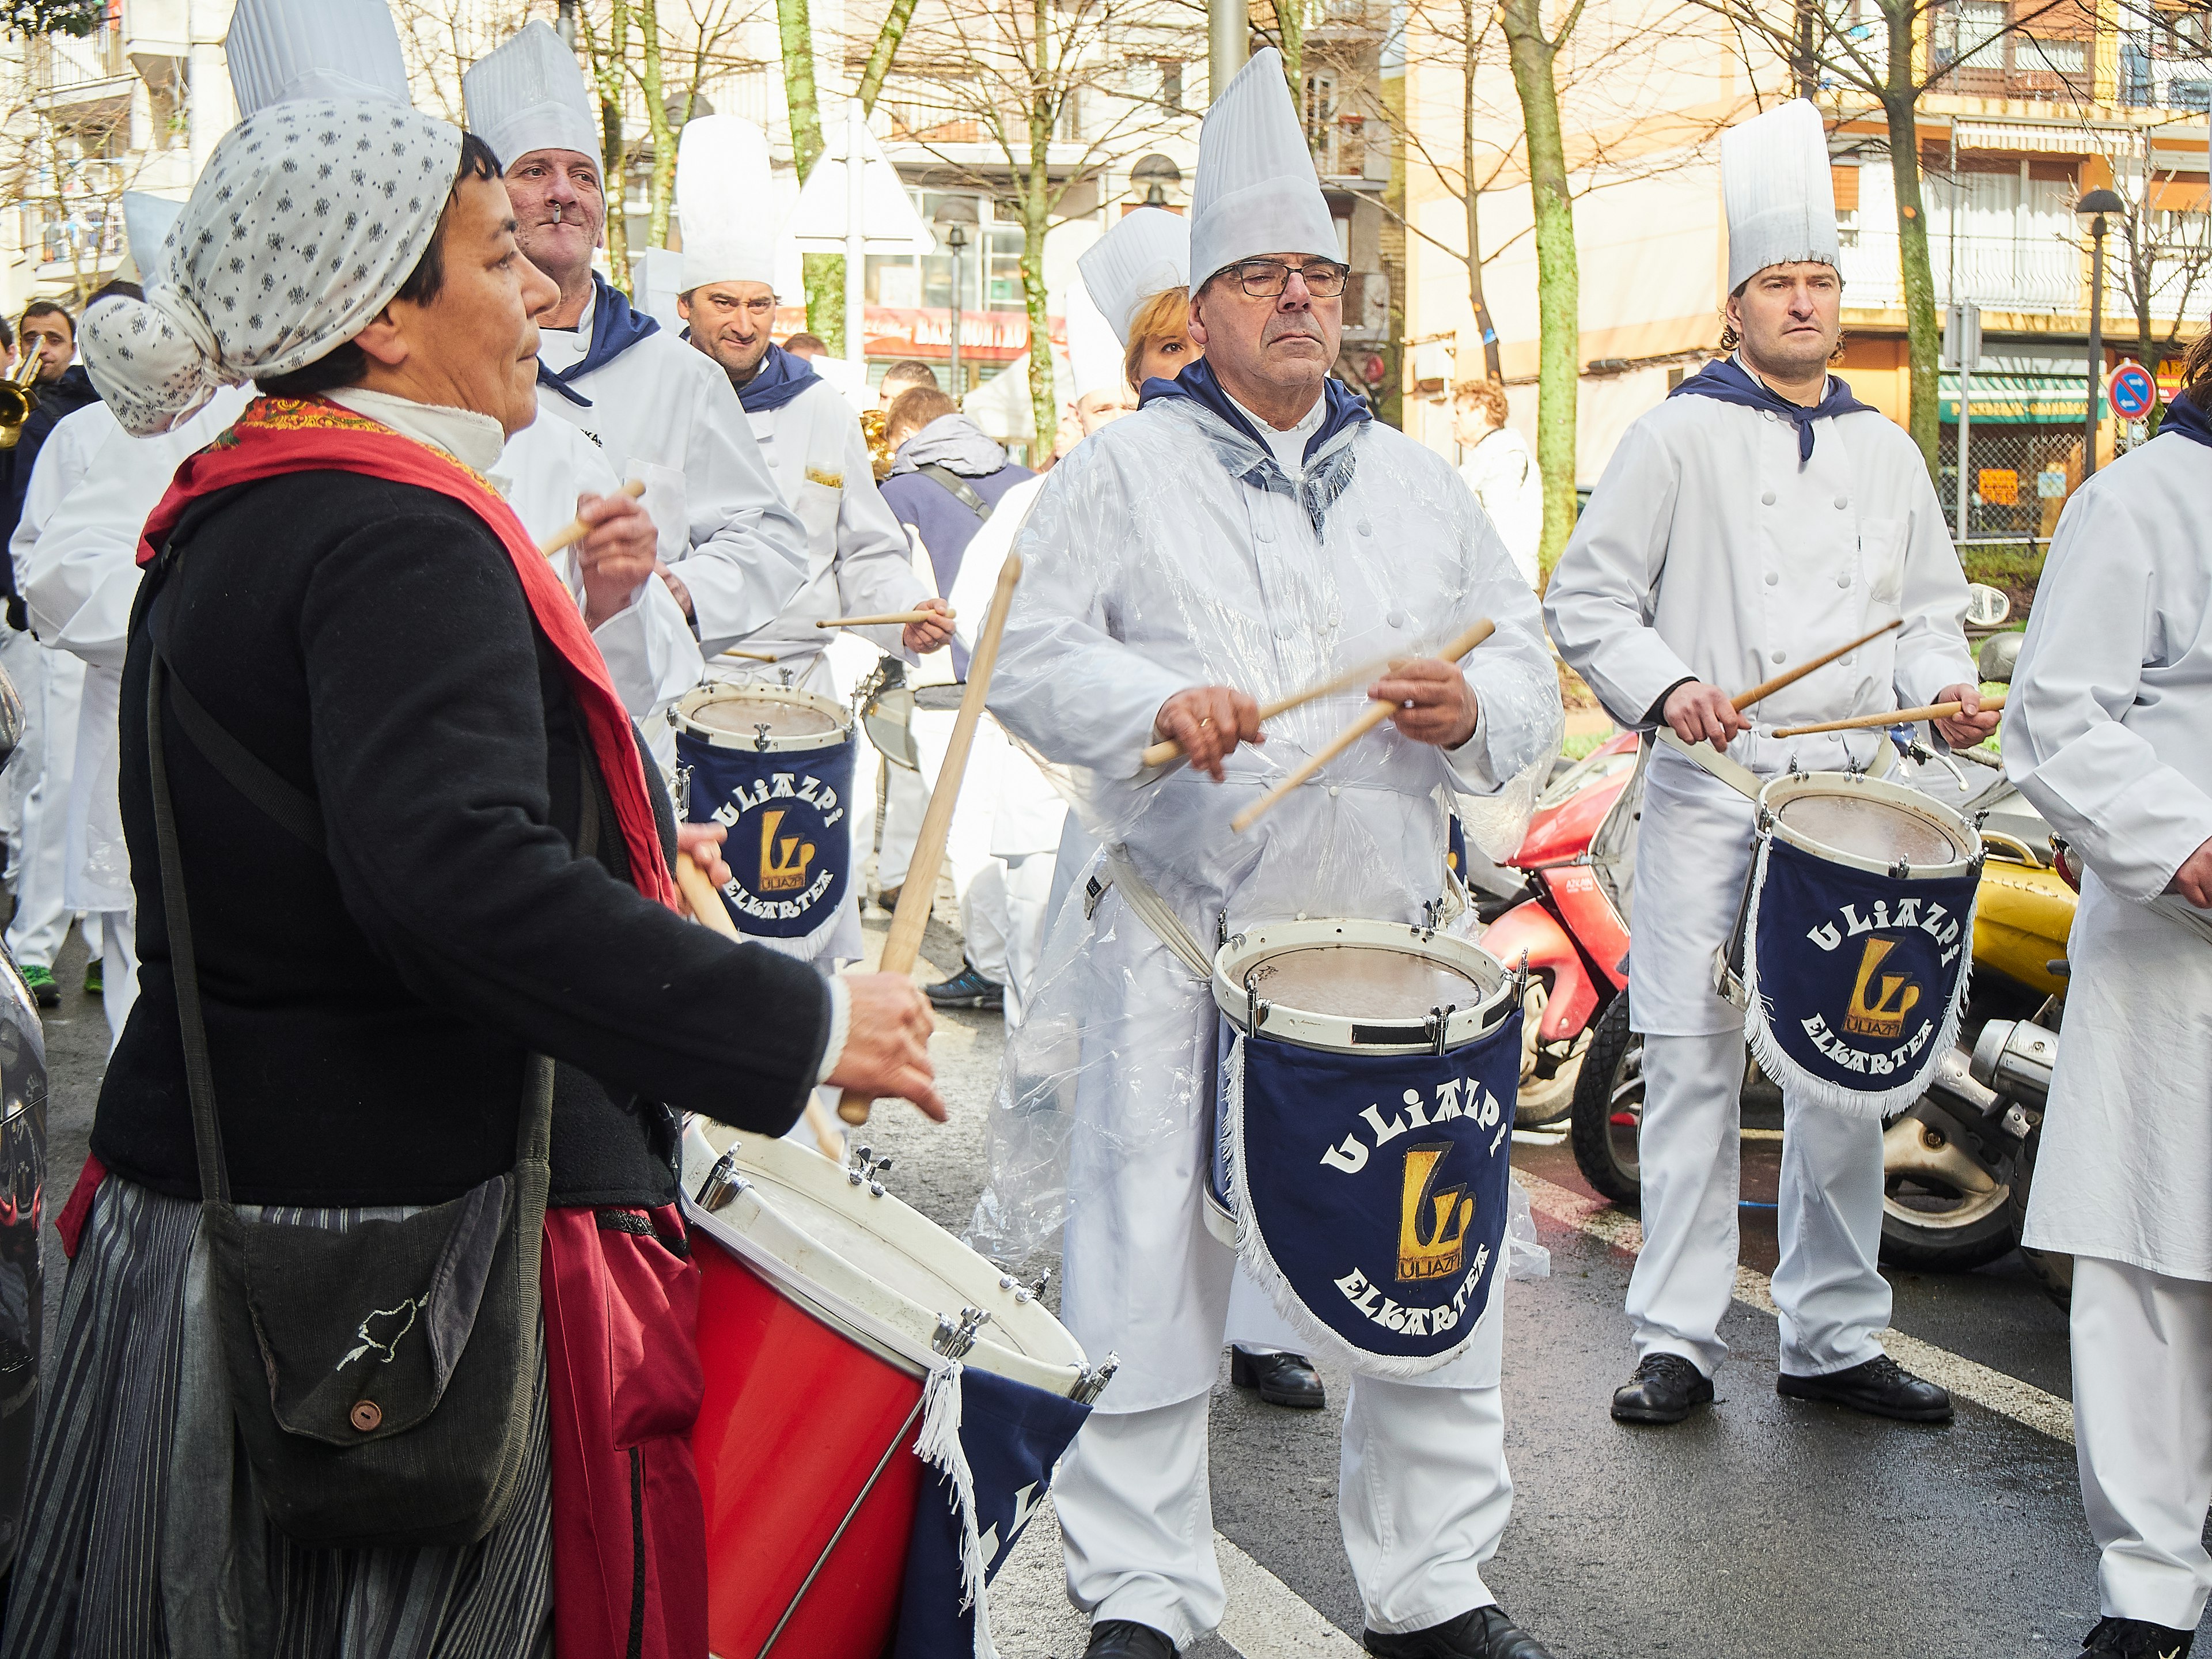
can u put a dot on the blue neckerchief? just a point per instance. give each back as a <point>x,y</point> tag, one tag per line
<point>780,378</point>
<point>615,329</point>
<point>2184,420</point>
<point>1725,381</point>
<point>1196,382</point>
<point>1328,459</point>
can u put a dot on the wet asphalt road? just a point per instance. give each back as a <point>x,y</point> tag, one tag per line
<point>1760,1529</point>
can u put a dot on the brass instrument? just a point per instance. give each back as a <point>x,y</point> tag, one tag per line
<point>19,396</point>
<point>879,453</point>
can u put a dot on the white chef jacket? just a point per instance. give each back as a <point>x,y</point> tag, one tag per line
<point>1709,552</point>
<point>63,461</point>
<point>1152,565</point>
<point>2108,732</point>
<point>664,411</point>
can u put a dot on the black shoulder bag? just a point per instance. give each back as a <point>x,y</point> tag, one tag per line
<point>957,487</point>
<point>381,1374</point>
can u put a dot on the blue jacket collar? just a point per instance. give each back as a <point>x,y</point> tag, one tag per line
<point>615,329</point>
<point>1328,459</point>
<point>1346,409</point>
<point>1726,381</point>
<point>2183,419</point>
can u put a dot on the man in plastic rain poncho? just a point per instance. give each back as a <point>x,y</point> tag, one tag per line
<point>1757,518</point>
<point>733,553</point>
<point>2111,702</point>
<point>1248,532</point>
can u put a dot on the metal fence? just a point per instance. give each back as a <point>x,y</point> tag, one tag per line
<point>2020,478</point>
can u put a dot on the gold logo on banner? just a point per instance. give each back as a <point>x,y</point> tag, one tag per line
<point>782,864</point>
<point>1884,1015</point>
<point>1431,1222</point>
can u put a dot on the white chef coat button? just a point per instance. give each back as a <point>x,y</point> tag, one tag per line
<point>1843,580</point>
<point>1331,792</point>
<point>1778,656</point>
<point>1767,500</point>
<point>1396,619</point>
<point>1842,501</point>
<point>1771,579</point>
<point>1365,528</point>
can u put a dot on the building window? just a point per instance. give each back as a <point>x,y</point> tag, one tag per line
<point>1170,84</point>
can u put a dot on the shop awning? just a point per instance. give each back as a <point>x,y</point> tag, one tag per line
<point>2019,399</point>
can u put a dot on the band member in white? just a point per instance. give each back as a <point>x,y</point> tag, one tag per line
<point>660,411</point>
<point>1250,529</point>
<point>1758,517</point>
<point>2111,703</point>
<point>858,562</point>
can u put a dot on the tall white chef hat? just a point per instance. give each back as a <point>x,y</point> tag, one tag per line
<point>282,50</point>
<point>528,95</point>
<point>146,221</point>
<point>1148,253</point>
<point>1094,355</point>
<point>1256,191</point>
<point>1781,199</point>
<point>723,201</point>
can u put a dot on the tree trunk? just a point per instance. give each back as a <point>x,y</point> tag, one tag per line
<point>1922,338</point>
<point>1483,326</point>
<point>1559,279</point>
<point>662,185</point>
<point>1291,25</point>
<point>606,63</point>
<point>885,49</point>
<point>1036,213</point>
<point>825,272</point>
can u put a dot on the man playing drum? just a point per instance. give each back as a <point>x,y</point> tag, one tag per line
<point>1758,517</point>
<point>1250,529</point>
<point>2111,699</point>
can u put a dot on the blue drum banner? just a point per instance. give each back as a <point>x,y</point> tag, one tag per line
<point>991,1444</point>
<point>1370,1190</point>
<point>790,845</point>
<point>1853,981</point>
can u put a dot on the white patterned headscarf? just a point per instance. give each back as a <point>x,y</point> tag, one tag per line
<point>309,217</point>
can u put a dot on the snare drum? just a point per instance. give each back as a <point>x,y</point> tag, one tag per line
<point>1361,1129</point>
<point>823,1303</point>
<point>775,765</point>
<point>1850,951</point>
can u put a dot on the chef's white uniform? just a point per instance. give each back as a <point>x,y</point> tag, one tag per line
<point>1151,566</point>
<point>1710,551</point>
<point>2106,734</point>
<point>83,575</point>
<point>53,690</point>
<point>663,412</point>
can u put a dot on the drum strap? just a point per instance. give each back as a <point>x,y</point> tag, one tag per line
<point>1144,898</point>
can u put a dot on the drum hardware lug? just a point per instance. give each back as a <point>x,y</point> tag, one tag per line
<point>1437,1023</point>
<point>867,1169</point>
<point>2014,1121</point>
<point>1026,1292</point>
<point>954,1337</point>
<point>1900,869</point>
<point>1093,1382</point>
<point>760,737</point>
<point>1220,929</point>
<point>683,794</point>
<point>723,1183</point>
<point>1765,820</point>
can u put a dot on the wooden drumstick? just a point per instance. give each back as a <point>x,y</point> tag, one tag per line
<point>1371,717</point>
<point>888,619</point>
<point>1933,711</point>
<point>1744,700</point>
<point>707,906</point>
<point>566,537</point>
<point>750,656</point>
<point>1167,748</point>
<point>903,943</point>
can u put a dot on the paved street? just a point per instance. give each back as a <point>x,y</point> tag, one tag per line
<point>1762,1529</point>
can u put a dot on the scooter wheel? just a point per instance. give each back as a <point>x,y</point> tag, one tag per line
<point>1608,1110</point>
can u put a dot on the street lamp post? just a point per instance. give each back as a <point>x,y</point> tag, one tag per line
<point>2093,207</point>
<point>954,214</point>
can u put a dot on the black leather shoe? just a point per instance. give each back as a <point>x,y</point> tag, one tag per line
<point>1663,1390</point>
<point>2134,1638</point>
<point>1484,1633</point>
<point>1125,1638</point>
<point>1880,1388</point>
<point>1283,1379</point>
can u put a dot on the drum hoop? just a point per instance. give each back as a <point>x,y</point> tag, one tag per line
<point>1340,1033</point>
<point>1779,792</point>
<point>732,690</point>
<point>904,1341</point>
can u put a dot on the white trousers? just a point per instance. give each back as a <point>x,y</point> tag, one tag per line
<point>2142,1437</point>
<point>1002,918</point>
<point>41,920</point>
<point>23,659</point>
<point>1830,1294</point>
<point>1254,1324</point>
<point>118,958</point>
<point>1423,1495</point>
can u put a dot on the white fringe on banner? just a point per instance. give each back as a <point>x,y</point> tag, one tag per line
<point>937,1445</point>
<point>1252,1250</point>
<point>1793,1080</point>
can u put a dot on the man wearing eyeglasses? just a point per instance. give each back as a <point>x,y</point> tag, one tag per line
<point>1248,532</point>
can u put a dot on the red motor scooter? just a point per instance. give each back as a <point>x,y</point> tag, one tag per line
<point>1571,918</point>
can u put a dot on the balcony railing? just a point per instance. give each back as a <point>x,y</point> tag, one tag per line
<point>2020,274</point>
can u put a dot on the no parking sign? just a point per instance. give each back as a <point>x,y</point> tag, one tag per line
<point>2132,390</point>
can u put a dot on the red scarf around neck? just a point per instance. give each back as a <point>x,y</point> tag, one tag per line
<point>276,435</point>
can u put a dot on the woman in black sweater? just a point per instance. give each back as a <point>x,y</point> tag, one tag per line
<point>476,871</point>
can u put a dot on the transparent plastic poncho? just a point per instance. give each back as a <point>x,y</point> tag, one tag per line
<point>1168,551</point>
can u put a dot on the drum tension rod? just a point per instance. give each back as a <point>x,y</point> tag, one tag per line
<point>1094,1383</point>
<point>954,1337</point>
<point>760,738</point>
<point>1900,869</point>
<point>867,1169</point>
<point>723,1183</point>
<point>1024,1293</point>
